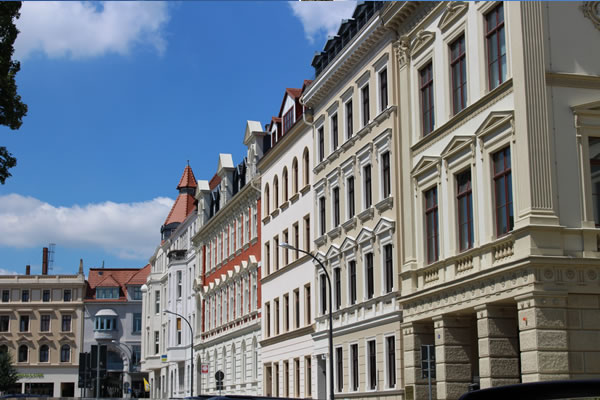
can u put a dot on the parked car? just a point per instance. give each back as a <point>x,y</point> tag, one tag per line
<point>589,388</point>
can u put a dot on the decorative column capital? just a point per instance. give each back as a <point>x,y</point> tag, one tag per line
<point>402,47</point>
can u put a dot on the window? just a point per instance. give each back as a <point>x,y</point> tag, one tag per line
<point>594,151</point>
<point>354,366</point>
<point>426,85</point>
<point>431,218</point>
<point>65,353</point>
<point>306,167</point>
<point>23,353</point>
<point>268,319</point>
<point>389,268</point>
<point>267,212</point>
<point>352,281</point>
<point>66,323</point>
<point>307,305</point>
<point>296,229</point>
<point>383,91</point>
<point>385,170</point>
<point>156,342</point>
<point>464,201</point>
<point>321,138</point>
<point>25,296</point>
<point>286,252</point>
<point>24,323</point>
<point>286,312</point>
<point>336,206</point>
<point>107,293</point>
<point>368,193</point>
<point>295,176</point>
<point>458,68</point>
<point>276,253</point>
<point>334,132</point>
<point>337,279</point>
<point>365,104</point>
<point>322,221</point>
<point>137,322</point>
<point>268,258</point>
<point>44,353</point>
<point>105,323</point>
<point>296,377</point>
<point>179,283</point>
<point>6,295</point>
<point>307,233</point>
<point>4,321</point>
<point>288,120</point>
<point>276,315</point>
<point>178,327</point>
<point>496,46</point>
<point>391,361</point>
<point>284,177</point>
<point>308,376</point>
<point>339,368</point>
<point>46,295</point>
<point>137,293</point>
<point>370,283</point>
<point>323,284</point>
<point>351,207</point>
<point>67,295</point>
<point>157,301</point>
<point>503,191</point>
<point>349,119</point>
<point>372,362</point>
<point>275,203</point>
<point>45,323</point>
<point>296,308</point>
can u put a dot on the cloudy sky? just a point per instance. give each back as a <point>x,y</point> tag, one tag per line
<point>121,96</point>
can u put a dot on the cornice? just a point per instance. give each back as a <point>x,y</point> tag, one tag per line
<point>573,80</point>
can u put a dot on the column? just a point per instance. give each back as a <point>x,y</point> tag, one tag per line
<point>543,336</point>
<point>453,353</point>
<point>498,342</point>
<point>416,334</point>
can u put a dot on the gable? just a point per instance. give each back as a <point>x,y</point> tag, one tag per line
<point>384,225</point>
<point>425,164</point>
<point>365,235</point>
<point>494,121</point>
<point>348,244</point>
<point>457,144</point>
<point>333,252</point>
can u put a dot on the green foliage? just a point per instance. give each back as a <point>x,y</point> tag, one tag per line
<point>8,373</point>
<point>12,109</point>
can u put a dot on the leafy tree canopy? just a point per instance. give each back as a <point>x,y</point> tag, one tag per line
<point>8,373</point>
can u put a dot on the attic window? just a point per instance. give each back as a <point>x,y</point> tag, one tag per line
<point>288,120</point>
<point>107,293</point>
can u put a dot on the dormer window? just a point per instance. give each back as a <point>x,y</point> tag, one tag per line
<point>107,293</point>
<point>288,120</point>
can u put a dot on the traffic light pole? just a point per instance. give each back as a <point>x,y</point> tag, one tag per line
<point>98,371</point>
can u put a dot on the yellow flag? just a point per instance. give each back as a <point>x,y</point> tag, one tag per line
<point>146,385</point>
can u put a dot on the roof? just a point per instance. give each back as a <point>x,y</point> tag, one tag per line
<point>214,182</point>
<point>187,179</point>
<point>114,277</point>
<point>293,93</point>
<point>184,205</point>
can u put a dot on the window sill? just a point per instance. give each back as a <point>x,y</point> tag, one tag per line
<point>366,214</point>
<point>266,219</point>
<point>275,213</point>
<point>385,204</point>
<point>350,224</point>
<point>349,142</point>
<point>335,232</point>
<point>294,198</point>
<point>305,189</point>
<point>321,240</point>
<point>284,206</point>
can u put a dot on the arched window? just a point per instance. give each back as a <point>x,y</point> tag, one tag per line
<point>305,167</point>
<point>233,365</point>
<point>65,353</point>
<point>224,358</point>
<point>244,361</point>
<point>275,193</point>
<point>266,200</point>
<point>285,183</point>
<point>23,353</point>
<point>295,176</point>
<point>44,353</point>
<point>254,358</point>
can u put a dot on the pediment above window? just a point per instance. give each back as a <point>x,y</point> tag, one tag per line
<point>421,41</point>
<point>333,252</point>
<point>348,244</point>
<point>365,235</point>
<point>494,122</point>
<point>425,164</point>
<point>454,10</point>
<point>457,144</point>
<point>384,225</point>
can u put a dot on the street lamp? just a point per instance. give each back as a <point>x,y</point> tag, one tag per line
<point>191,349</point>
<point>290,247</point>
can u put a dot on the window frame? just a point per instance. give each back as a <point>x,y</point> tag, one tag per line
<point>500,26</point>
<point>426,87</point>
<point>435,235</point>
<point>505,174</point>
<point>461,61</point>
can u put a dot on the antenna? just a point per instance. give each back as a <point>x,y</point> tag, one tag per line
<point>51,251</point>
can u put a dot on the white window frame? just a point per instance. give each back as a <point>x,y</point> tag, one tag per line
<point>386,367</point>
<point>379,66</point>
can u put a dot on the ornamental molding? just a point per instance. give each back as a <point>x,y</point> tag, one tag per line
<point>402,47</point>
<point>454,10</point>
<point>591,10</point>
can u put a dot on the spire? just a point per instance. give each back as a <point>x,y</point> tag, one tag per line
<point>187,179</point>
<point>80,266</point>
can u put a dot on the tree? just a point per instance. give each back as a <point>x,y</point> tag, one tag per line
<point>8,373</point>
<point>12,109</point>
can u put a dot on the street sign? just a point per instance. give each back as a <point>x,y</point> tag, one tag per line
<point>219,375</point>
<point>204,368</point>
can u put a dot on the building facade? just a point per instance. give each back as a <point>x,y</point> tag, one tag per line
<point>287,281</point>
<point>498,125</point>
<point>113,318</point>
<point>41,322</point>
<point>228,291</point>
<point>355,166</point>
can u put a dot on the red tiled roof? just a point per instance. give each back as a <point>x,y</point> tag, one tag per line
<point>306,83</point>
<point>214,182</point>
<point>112,277</point>
<point>140,277</point>
<point>108,281</point>
<point>187,179</point>
<point>183,206</point>
<point>293,93</point>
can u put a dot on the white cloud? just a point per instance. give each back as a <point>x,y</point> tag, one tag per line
<point>322,17</point>
<point>7,272</point>
<point>127,230</point>
<point>83,30</point>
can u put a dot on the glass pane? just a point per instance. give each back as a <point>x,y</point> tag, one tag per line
<point>510,202</point>
<point>501,220</point>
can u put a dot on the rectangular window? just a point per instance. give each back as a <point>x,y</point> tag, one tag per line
<point>286,378</point>
<point>288,120</point>
<point>503,191</point>
<point>321,137</point>
<point>137,293</point>
<point>385,172</point>
<point>156,342</point>
<point>351,207</point>
<point>337,279</point>
<point>372,360</point>
<point>322,216</point>
<point>352,273</point>
<point>297,377</point>
<point>6,296</point>
<point>496,46</point>
<point>307,233</point>
<point>431,218</point>
<point>25,296</point>
<point>426,87</point>
<point>276,253</point>
<point>67,295</point>
<point>296,240</point>
<point>137,322</point>
<point>369,274</point>
<point>297,308</point>
<point>368,193</point>
<point>107,293</point>
<point>45,323</point>
<point>276,315</point>
<point>46,295</point>
<point>286,312</point>
<point>24,323</point>
<point>178,327</point>
<point>179,283</point>
<point>458,68</point>
<point>365,105</point>
<point>389,268</point>
<point>66,323</point>
<point>267,319</point>
<point>383,90</point>
<point>323,285</point>
<point>336,206</point>
<point>391,361</point>
<point>464,202</point>
<point>268,258</point>
<point>334,132</point>
<point>157,301</point>
<point>349,127</point>
<point>354,364</point>
<point>339,368</point>
<point>5,319</point>
<point>308,376</point>
<point>307,305</point>
<point>286,252</point>
<point>594,152</point>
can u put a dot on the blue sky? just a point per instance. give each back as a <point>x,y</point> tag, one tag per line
<point>120,96</point>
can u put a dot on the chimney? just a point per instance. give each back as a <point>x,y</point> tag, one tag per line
<point>45,262</point>
<point>27,270</point>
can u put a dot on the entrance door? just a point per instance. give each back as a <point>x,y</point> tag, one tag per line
<point>321,377</point>
<point>67,389</point>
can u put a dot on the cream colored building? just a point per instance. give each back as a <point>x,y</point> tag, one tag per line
<point>499,124</point>
<point>41,322</point>
<point>355,128</point>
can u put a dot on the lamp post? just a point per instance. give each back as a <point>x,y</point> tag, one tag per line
<point>191,349</point>
<point>290,247</point>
